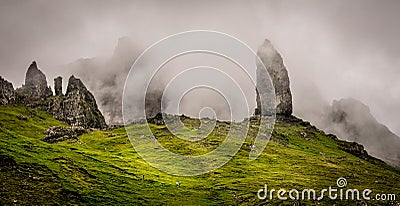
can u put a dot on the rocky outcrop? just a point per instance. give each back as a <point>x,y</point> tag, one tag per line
<point>354,148</point>
<point>58,134</point>
<point>58,86</point>
<point>351,120</point>
<point>35,87</point>
<point>157,119</point>
<point>276,69</point>
<point>77,107</point>
<point>351,147</point>
<point>7,94</point>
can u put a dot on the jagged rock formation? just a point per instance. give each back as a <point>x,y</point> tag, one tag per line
<point>7,94</point>
<point>35,87</point>
<point>351,120</point>
<point>274,64</point>
<point>58,86</point>
<point>78,107</point>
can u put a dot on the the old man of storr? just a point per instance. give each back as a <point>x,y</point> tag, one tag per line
<point>200,102</point>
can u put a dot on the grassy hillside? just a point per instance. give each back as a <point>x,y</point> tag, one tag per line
<point>102,167</point>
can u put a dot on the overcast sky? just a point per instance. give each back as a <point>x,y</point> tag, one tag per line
<point>336,49</point>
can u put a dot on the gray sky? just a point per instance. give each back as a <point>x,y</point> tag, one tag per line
<point>335,49</point>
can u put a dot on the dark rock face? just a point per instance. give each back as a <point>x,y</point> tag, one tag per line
<point>58,134</point>
<point>35,87</point>
<point>157,119</point>
<point>75,85</point>
<point>7,93</point>
<point>78,107</point>
<point>58,86</point>
<point>274,64</point>
<point>153,103</point>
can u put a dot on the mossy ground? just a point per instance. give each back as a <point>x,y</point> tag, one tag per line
<point>102,168</point>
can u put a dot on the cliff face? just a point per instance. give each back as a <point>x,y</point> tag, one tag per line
<point>77,107</point>
<point>276,69</point>
<point>7,94</point>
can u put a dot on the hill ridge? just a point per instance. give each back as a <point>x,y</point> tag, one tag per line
<point>101,167</point>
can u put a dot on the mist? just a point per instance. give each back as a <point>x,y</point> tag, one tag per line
<point>332,50</point>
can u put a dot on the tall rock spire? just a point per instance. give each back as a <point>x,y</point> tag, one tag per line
<point>58,86</point>
<point>35,87</point>
<point>276,69</point>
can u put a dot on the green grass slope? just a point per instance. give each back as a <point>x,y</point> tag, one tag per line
<point>102,168</point>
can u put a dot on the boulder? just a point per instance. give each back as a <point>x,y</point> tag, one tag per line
<point>22,117</point>
<point>59,133</point>
<point>279,75</point>
<point>354,148</point>
<point>157,119</point>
